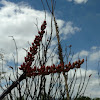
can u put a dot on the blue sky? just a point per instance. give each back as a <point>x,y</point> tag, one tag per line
<point>85,15</point>
<point>78,20</point>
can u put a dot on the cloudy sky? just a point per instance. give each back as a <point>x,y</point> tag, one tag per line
<point>78,22</point>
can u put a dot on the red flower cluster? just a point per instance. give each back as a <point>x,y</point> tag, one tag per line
<point>53,69</point>
<point>26,66</point>
<point>33,50</point>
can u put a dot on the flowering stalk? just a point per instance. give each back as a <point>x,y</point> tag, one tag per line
<point>43,70</point>
<point>26,66</point>
<point>28,61</point>
<point>46,70</point>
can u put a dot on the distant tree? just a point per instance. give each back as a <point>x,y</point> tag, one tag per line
<point>83,98</point>
<point>96,99</point>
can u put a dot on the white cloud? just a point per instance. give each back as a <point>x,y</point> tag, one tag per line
<point>69,28</point>
<point>78,1</point>
<point>82,71</point>
<point>19,20</point>
<point>82,54</point>
<point>95,56</point>
<point>69,0</point>
<point>94,47</point>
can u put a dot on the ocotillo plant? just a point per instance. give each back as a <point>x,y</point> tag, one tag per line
<point>37,75</point>
<point>43,70</point>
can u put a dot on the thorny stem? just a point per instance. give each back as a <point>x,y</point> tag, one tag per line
<point>16,65</point>
<point>23,76</point>
<point>59,49</point>
<point>61,57</point>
